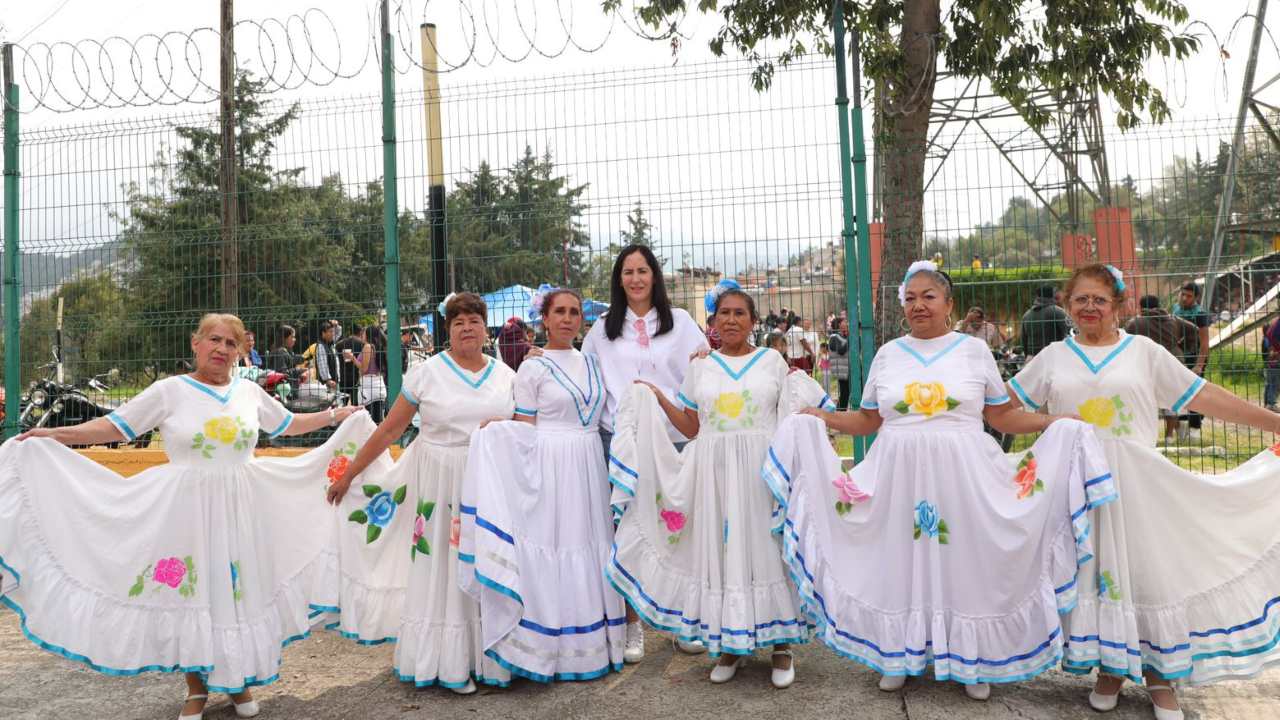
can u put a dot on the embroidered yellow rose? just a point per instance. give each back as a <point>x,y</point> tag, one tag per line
<point>223,429</point>
<point>730,405</point>
<point>926,398</point>
<point>1098,411</point>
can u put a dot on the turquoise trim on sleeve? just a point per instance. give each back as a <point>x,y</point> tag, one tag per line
<point>1188,395</point>
<point>404,393</point>
<point>1022,394</point>
<point>869,405</point>
<point>284,425</point>
<point>997,400</point>
<point>122,426</point>
<point>526,412</point>
<point>687,402</point>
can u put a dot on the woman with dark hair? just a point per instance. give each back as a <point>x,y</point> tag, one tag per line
<point>438,632</point>
<point>513,342</point>
<point>1187,566</point>
<point>541,531</point>
<point>642,338</point>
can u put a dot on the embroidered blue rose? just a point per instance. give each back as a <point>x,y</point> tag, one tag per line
<point>381,509</point>
<point>927,518</point>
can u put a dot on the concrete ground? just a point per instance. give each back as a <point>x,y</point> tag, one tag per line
<point>328,677</point>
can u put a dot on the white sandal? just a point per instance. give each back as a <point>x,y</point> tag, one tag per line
<point>1163,713</point>
<point>198,715</point>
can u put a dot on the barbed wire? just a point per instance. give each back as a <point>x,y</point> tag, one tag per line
<point>307,49</point>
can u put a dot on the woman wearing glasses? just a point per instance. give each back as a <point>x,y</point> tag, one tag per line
<point>1187,566</point>
<point>642,338</point>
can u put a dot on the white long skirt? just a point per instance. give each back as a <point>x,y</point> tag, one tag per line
<point>536,529</point>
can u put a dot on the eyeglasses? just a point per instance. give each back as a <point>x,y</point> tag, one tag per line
<point>1083,301</point>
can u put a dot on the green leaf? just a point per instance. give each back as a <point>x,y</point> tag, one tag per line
<point>672,540</point>
<point>942,527</point>
<point>372,534</point>
<point>401,493</point>
<point>942,539</point>
<point>137,588</point>
<point>1039,485</point>
<point>952,403</point>
<point>428,508</point>
<point>902,407</point>
<point>191,565</point>
<point>423,546</point>
<point>358,516</point>
<point>842,508</point>
<point>370,490</point>
<point>916,535</point>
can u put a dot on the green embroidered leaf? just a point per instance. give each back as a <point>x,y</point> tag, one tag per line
<point>137,588</point>
<point>842,508</point>
<point>658,497</point>
<point>370,490</point>
<point>401,493</point>
<point>916,535</point>
<point>952,403</point>
<point>942,527</point>
<point>672,540</point>
<point>348,449</point>
<point>428,508</point>
<point>902,407</point>
<point>1117,402</point>
<point>423,546</point>
<point>191,565</point>
<point>186,591</point>
<point>942,539</point>
<point>358,516</point>
<point>1040,485</point>
<point>372,534</point>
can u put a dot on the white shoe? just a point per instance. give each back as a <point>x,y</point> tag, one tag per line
<point>690,647</point>
<point>1193,435</point>
<point>246,709</point>
<point>634,651</point>
<point>782,679</point>
<point>892,683</point>
<point>467,689</point>
<point>1163,713</point>
<point>198,715</point>
<point>1103,703</point>
<point>1184,432</point>
<point>724,673</point>
<point>978,691</point>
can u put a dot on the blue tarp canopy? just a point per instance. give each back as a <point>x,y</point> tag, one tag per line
<point>513,301</point>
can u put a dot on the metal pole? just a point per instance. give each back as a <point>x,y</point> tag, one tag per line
<point>390,210</point>
<point>12,279</point>
<point>1237,140</point>
<point>435,178</point>
<point>847,233</point>
<point>866,308</point>
<point>227,176</point>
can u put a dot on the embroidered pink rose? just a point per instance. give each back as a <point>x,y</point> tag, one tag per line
<point>848,489</point>
<point>674,520</point>
<point>419,528</point>
<point>169,571</point>
<point>455,531</point>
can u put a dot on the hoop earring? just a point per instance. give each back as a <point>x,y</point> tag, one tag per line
<point>902,325</point>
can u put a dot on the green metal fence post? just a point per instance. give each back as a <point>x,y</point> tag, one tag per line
<point>866,308</point>
<point>12,313</point>
<point>854,232</point>
<point>390,211</point>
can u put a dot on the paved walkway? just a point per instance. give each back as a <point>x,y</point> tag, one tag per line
<point>327,677</point>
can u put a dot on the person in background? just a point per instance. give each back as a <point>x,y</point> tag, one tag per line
<point>1044,323</point>
<point>771,320</point>
<point>354,357</point>
<point>513,342</point>
<point>938,260</point>
<point>1169,332</point>
<point>811,337</point>
<point>1196,354</point>
<point>283,359</point>
<point>1271,359</point>
<point>977,263</point>
<point>251,358</point>
<point>838,355</point>
<point>975,324</point>
<point>799,352</point>
<point>713,335</point>
<point>326,359</point>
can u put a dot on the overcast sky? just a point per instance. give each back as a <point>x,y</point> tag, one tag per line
<point>743,176</point>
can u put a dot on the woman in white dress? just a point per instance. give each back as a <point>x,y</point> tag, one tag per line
<point>695,553</point>
<point>1187,572</point>
<point>537,527</point>
<point>209,564</point>
<point>937,548</point>
<point>439,640</point>
<point>642,337</point>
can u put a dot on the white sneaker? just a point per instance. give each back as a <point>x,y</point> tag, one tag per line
<point>978,691</point>
<point>1193,435</point>
<point>690,647</point>
<point>634,651</point>
<point>892,683</point>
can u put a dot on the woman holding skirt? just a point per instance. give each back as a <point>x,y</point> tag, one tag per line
<point>209,564</point>
<point>694,553</point>
<point>536,526</point>
<point>1186,582</point>
<point>937,549</point>
<point>413,519</point>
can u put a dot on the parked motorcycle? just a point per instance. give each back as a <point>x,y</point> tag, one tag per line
<point>305,398</point>
<point>50,404</point>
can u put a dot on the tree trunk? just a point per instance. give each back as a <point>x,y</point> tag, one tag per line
<point>905,135</point>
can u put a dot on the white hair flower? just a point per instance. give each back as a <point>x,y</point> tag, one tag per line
<point>1119,276</point>
<point>915,267</point>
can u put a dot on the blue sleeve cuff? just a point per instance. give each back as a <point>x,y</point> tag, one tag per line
<point>1188,395</point>
<point>687,402</point>
<point>284,425</point>
<point>868,405</point>
<point>1022,394</point>
<point>404,393</point>
<point>122,426</point>
<point>526,412</point>
<point>997,400</point>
